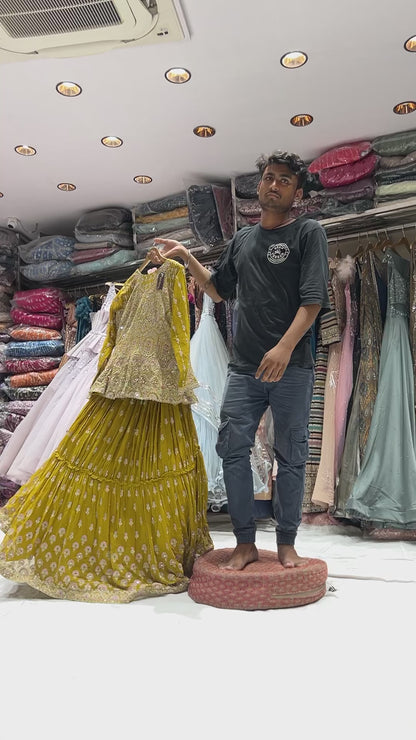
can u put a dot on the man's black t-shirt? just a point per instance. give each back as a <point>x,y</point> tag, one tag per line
<point>275,272</point>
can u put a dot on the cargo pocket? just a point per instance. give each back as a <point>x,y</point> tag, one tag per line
<point>223,442</point>
<point>299,446</point>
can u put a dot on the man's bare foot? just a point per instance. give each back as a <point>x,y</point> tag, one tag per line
<point>242,556</point>
<point>288,556</point>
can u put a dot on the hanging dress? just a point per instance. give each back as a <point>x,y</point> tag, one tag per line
<point>323,492</point>
<point>209,360</point>
<point>385,490</point>
<point>118,511</point>
<point>346,272</point>
<point>41,431</point>
<point>365,389</point>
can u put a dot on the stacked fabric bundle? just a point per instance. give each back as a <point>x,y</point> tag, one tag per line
<point>9,241</point>
<point>167,218</point>
<point>396,177</point>
<point>247,204</point>
<point>346,176</point>
<point>12,414</point>
<point>47,258</point>
<point>32,356</point>
<point>104,239</point>
<point>210,213</point>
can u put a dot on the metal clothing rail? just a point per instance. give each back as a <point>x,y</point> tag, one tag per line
<point>370,232</point>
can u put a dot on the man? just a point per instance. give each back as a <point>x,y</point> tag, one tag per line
<point>280,270</point>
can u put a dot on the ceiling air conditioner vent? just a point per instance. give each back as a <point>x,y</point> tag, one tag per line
<point>57,28</point>
<point>46,17</point>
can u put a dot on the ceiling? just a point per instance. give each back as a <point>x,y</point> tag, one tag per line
<point>357,70</point>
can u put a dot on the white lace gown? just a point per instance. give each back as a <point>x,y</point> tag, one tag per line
<point>41,431</point>
<point>209,360</point>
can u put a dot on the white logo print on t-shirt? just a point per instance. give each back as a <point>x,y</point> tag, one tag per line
<point>277,253</point>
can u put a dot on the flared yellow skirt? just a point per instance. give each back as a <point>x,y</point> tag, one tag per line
<point>118,512</point>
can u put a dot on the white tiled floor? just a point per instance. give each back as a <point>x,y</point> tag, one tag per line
<point>170,668</point>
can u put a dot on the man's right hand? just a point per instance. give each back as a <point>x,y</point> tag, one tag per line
<point>172,248</point>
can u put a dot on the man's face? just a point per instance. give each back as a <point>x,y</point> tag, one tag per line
<point>278,188</point>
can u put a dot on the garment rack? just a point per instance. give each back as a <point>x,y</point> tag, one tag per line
<point>370,232</point>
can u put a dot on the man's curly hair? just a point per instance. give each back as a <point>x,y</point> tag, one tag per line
<point>292,161</point>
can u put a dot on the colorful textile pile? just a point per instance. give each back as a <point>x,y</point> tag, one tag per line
<point>247,205</point>
<point>32,355</point>
<point>396,177</point>
<point>346,179</point>
<point>167,218</point>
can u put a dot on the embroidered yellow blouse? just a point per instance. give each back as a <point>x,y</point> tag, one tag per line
<point>146,351</point>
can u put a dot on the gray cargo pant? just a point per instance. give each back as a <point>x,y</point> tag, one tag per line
<point>245,400</point>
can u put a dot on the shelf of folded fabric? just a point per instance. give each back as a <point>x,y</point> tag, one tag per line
<point>398,212</point>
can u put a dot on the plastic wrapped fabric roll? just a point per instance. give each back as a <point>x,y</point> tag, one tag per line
<point>50,321</point>
<point>224,206</point>
<point>31,364</point>
<point>39,300</point>
<point>46,272</point>
<point>340,155</point>
<point>19,407</point>
<point>23,394</point>
<point>354,191</point>
<point>104,219</point>
<point>47,248</point>
<point>168,203</point>
<point>121,257</point>
<point>246,185</point>
<point>387,163</point>
<point>184,236</point>
<point>51,348</point>
<point>347,173</point>
<point>386,177</point>
<point>10,421</point>
<point>248,206</point>
<point>22,333</point>
<point>203,215</point>
<point>121,238</point>
<point>164,216</point>
<point>26,380</point>
<point>160,227</point>
<point>399,143</point>
<point>397,189</point>
<point>80,256</point>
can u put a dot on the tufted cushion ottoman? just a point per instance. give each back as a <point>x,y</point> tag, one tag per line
<point>265,584</point>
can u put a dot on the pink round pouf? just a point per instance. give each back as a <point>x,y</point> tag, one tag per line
<point>265,584</point>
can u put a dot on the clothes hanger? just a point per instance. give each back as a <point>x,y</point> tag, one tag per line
<point>403,246</point>
<point>386,242</point>
<point>360,250</point>
<point>153,257</point>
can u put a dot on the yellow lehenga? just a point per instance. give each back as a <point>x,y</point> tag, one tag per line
<point>118,512</point>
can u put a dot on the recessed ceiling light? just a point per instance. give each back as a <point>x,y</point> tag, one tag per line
<point>66,186</point>
<point>69,89</point>
<point>204,131</point>
<point>178,75</point>
<point>302,119</point>
<point>1,195</point>
<point>408,106</point>
<point>25,150</point>
<point>111,141</point>
<point>143,179</point>
<point>294,59</point>
<point>410,44</point>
